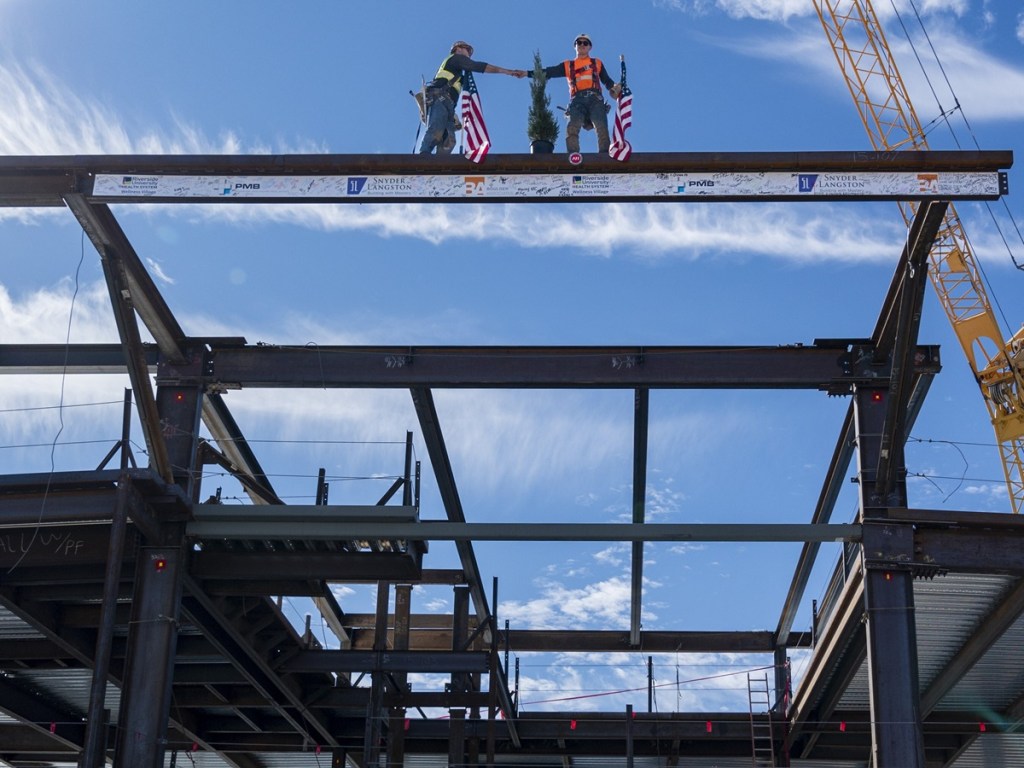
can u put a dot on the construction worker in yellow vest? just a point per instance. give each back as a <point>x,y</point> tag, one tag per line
<point>442,95</point>
<point>587,107</point>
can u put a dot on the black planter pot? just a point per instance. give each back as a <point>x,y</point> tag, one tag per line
<point>541,147</point>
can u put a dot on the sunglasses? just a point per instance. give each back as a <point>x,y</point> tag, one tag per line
<point>583,42</point>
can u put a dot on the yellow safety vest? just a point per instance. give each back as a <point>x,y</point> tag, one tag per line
<point>454,81</point>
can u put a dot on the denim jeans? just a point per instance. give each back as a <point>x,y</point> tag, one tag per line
<point>586,108</point>
<point>440,130</point>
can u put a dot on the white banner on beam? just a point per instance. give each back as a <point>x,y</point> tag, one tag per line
<point>595,186</point>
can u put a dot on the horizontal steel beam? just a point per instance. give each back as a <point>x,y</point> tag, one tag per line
<point>705,185</point>
<point>827,365</point>
<point>968,551</point>
<point>448,531</point>
<point>833,365</point>
<point>584,726</point>
<point>67,166</point>
<point>271,568</point>
<point>600,641</point>
<point>309,513</point>
<point>57,545</point>
<point>88,506</point>
<point>43,181</point>
<point>962,542</point>
<point>72,358</point>
<point>386,661</point>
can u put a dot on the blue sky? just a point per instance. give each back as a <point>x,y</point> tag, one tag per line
<point>113,77</point>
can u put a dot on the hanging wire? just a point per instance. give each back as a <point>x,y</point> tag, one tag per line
<point>944,116</point>
<point>60,409</point>
<point>65,406</point>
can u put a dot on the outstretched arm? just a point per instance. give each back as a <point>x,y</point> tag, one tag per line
<point>502,71</point>
<point>549,72</point>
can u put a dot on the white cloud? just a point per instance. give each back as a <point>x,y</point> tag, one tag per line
<point>827,233</point>
<point>986,87</point>
<point>42,316</point>
<point>615,555</point>
<point>41,116</point>
<point>342,591</point>
<point>605,603</point>
<point>784,10</point>
<point>769,10</point>
<point>157,271</point>
<point>684,682</point>
<point>494,437</point>
<point>31,415</point>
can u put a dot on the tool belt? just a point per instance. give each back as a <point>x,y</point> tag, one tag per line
<point>438,89</point>
<point>589,95</point>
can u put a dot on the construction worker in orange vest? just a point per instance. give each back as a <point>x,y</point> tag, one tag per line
<point>587,107</point>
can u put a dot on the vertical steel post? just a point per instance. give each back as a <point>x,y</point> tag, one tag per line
<point>460,633</point>
<point>93,754</point>
<point>457,738</point>
<point>407,485</point>
<point>396,717</point>
<point>321,487</point>
<point>516,713</point>
<point>508,642</point>
<point>156,606</point>
<point>181,409</point>
<point>396,737</point>
<point>650,683</point>
<point>374,707</point>
<point>629,736</point>
<point>126,430</point>
<point>149,670</point>
<point>641,408</point>
<point>494,677</point>
<point>897,734</point>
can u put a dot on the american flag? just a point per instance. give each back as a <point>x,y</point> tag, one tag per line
<point>477,142</point>
<point>621,149</point>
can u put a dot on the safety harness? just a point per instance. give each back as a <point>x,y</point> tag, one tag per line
<point>446,78</point>
<point>581,71</point>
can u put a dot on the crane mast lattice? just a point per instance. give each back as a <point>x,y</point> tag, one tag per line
<point>870,72</point>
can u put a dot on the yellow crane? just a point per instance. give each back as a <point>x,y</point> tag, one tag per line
<point>884,106</point>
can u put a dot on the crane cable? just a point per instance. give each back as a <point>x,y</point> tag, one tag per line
<point>944,115</point>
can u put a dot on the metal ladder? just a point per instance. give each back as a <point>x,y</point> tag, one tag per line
<point>761,742</point>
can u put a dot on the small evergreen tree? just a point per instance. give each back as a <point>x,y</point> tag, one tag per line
<point>541,124</point>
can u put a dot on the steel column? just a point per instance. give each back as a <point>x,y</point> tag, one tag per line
<point>396,717</point>
<point>459,681</point>
<point>457,738</point>
<point>152,637</point>
<point>375,706</point>
<point>93,755</point>
<point>396,738</point>
<point>180,409</point>
<point>641,408</point>
<point>897,736</point>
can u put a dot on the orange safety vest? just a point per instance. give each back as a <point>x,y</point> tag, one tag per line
<point>583,74</point>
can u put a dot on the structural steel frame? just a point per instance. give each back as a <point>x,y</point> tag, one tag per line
<point>160,618</point>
